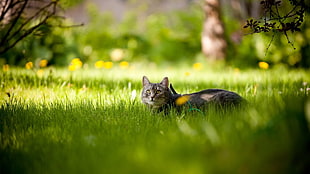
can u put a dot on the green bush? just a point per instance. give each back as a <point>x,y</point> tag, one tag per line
<point>54,44</point>
<point>168,37</point>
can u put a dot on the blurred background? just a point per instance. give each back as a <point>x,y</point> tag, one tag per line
<point>163,32</point>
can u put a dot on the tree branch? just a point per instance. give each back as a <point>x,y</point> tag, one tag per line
<point>43,9</point>
<point>21,10</point>
<point>21,24</point>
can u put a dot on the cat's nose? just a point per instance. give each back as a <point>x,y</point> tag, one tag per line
<point>152,98</point>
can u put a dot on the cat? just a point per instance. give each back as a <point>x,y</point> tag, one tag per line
<point>159,97</point>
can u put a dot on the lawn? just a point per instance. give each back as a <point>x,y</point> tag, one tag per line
<point>92,121</point>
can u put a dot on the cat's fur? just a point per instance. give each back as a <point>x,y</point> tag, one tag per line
<point>159,97</point>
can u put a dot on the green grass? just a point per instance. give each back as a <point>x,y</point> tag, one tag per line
<point>89,121</point>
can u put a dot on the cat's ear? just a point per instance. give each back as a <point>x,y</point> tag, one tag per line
<point>165,82</point>
<point>145,81</point>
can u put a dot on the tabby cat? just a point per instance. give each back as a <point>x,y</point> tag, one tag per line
<point>159,97</point>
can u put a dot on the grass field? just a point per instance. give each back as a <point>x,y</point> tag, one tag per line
<point>92,121</point>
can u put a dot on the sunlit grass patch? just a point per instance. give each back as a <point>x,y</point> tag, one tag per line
<point>92,121</point>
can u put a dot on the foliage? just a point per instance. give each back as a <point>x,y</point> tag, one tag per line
<point>170,37</point>
<point>57,46</point>
<point>92,121</point>
<point>159,37</point>
<point>245,51</point>
<point>277,20</point>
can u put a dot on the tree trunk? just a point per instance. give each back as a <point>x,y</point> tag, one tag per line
<point>213,41</point>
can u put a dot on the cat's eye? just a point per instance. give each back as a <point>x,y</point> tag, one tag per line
<point>148,91</point>
<point>158,91</point>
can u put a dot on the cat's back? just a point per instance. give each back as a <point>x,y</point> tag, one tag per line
<point>218,96</point>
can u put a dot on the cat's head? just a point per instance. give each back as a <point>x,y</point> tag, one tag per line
<point>155,95</point>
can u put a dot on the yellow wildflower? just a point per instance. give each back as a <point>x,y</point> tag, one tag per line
<point>29,65</point>
<point>263,65</point>
<point>197,66</point>
<point>108,65</point>
<point>182,99</point>
<point>6,67</point>
<point>40,73</point>
<point>187,73</point>
<point>72,67</point>
<point>99,64</point>
<point>236,70</point>
<point>124,64</point>
<point>77,63</point>
<point>43,63</point>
